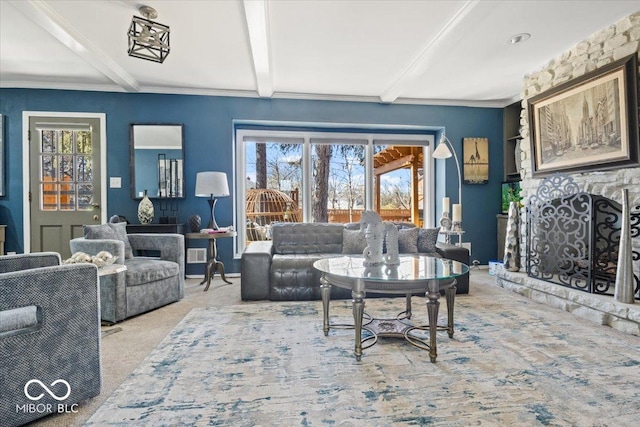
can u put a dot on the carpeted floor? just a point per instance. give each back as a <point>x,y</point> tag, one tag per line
<point>512,361</point>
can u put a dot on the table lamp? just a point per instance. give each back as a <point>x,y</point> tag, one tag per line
<point>212,185</point>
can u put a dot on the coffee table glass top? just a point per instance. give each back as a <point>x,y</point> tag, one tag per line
<point>411,268</point>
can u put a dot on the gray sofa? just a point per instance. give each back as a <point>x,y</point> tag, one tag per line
<point>282,269</point>
<point>149,281</point>
<point>49,331</point>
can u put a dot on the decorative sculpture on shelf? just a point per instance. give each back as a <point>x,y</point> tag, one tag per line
<point>511,261</point>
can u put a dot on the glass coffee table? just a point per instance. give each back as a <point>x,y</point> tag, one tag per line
<point>414,274</point>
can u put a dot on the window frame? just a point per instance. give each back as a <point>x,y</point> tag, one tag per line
<point>374,135</point>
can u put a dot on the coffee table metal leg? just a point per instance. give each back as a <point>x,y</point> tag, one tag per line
<point>432,310</point>
<point>358,312</point>
<point>450,295</point>
<point>408,305</point>
<point>325,292</point>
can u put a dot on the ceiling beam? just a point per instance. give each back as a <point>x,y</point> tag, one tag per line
<point>256,13</point>
<point>393,165</point>
<point>426,56</point>
<point>51,21</point>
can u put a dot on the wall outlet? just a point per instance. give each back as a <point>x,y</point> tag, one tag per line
<point>115,182</point>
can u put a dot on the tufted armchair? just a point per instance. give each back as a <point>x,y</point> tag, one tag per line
<point>149,282</point>
<point>49,331</point>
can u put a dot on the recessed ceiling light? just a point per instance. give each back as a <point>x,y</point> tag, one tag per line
<point>519,38</point>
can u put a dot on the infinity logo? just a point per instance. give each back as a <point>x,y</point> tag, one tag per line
<point>52,394</point>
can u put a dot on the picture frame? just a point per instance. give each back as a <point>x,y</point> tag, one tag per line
<point>587,123</point>
<point>475,160</point>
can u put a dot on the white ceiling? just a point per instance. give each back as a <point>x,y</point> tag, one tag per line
<point>442,52</point>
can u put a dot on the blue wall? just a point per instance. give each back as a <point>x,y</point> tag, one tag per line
<point>208,146</point>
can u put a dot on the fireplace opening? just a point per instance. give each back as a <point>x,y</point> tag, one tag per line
<point>573,237</point>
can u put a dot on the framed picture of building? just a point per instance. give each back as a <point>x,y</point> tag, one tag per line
<point>587,123</point>
<point>475,160</point>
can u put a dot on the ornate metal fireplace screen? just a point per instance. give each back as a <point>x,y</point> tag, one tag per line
<point>573,237</point>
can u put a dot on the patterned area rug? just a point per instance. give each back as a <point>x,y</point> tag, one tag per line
<point>512,361</point>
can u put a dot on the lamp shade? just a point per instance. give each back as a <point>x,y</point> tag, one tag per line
<point>442,151</point>
<point>211,184</point>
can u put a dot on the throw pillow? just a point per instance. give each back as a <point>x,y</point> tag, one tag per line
<point>117,231</point>
<point>427,238</point>
<point>408,240</point>
<point>102,231</point>
<point>353,242</point>
<point>120,230</point>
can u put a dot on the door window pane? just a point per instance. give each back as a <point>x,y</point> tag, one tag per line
<point>338,181</point>
<point>83,142</point>
<point>273,183</point>
<point>398,173</point>
<point>65,161</point>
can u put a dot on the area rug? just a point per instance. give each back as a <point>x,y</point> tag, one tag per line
<point>512,361</point>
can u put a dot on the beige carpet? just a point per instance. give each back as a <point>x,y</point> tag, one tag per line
<point>126,349</point>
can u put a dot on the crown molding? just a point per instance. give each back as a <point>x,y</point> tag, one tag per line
<point>493,103</point>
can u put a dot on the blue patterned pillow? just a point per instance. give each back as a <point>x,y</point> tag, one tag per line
<point>353,242</point>
<point>408,240</point>
<point>427,238</point>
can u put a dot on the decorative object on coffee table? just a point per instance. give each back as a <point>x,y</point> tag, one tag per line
<point>145,210</point>
<point>194,223</point>
<point>624,288</point>
<point>391,239</point>
<point>511,261</point>
<point>374,234</point>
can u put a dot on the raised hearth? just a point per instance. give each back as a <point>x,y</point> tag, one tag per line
<point>600,309</point>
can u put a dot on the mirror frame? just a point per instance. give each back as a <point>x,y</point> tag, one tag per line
<point>132,160</point>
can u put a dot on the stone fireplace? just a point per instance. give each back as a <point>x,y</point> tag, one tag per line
<point>573,237</point>
<point>602,188</point>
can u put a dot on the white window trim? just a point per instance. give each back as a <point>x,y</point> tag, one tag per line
<point>239,156</point>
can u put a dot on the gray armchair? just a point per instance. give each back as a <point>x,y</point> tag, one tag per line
<point>149,281</point>
<point>49,331</point>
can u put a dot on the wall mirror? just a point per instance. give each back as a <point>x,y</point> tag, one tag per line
<point>157,160</point>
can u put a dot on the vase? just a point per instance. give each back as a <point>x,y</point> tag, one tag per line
<point>624,287</point>
<point>145,210</point>
<point>511,261</point>
<point>194,223</point>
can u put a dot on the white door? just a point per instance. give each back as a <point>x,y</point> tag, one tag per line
<point>65,180</point>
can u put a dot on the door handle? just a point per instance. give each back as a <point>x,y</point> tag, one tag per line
<point>95,205</point>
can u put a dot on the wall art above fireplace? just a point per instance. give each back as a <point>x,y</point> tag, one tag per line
<point>589,123</point>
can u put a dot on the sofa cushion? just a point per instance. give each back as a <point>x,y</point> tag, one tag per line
<point>353,242</point>
<point>114,231</point>
<point>293,278</point>
<point>307,238</point>
<point>408,241</point>
<point>427,238</point>
<point>141,270</point>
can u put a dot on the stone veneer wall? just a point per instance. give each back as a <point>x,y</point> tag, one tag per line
<point>610,44</point>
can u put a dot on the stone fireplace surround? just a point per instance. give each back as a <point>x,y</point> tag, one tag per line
<point>608,45</point>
